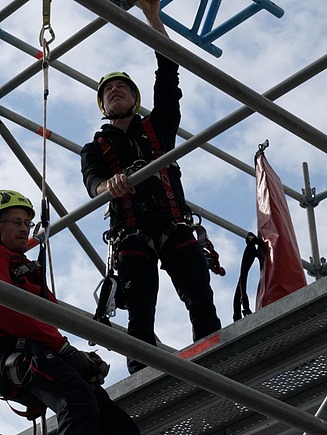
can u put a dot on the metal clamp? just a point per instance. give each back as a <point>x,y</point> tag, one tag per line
<point>11,367</point>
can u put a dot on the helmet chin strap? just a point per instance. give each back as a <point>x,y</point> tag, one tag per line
<point>121,115</point>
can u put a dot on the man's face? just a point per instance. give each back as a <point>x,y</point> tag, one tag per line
<point>14,229</point>
<point>117,97</point>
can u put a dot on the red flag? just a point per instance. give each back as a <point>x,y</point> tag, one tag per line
<point>282,272</point>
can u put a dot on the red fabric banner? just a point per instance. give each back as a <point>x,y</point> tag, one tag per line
<point>282,272</point>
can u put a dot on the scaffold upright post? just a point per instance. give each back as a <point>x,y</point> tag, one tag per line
<point>310,203</point>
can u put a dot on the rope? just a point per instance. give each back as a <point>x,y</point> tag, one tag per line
<point>45,215</point>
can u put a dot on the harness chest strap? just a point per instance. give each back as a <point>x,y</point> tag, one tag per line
<point>115,167</point>
<point>26,268</point>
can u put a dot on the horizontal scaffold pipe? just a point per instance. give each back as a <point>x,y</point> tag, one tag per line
<point>38,129</point>
<point>207,72</point>
<point>113,324</point>
<point>133,180</point>
<point>69,219</point>
<point>56,64</point>
<point>224,124</point>
<point>206,214</point>
<point>217,220</point>
<point>190,372</point>
<point>75,148</point>
<point>55,53</point>
<point>54,201</point>
<point>11,8</point>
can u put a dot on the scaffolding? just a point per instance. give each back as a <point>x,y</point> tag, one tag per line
<point>273,363</point>
<point>246,371</point>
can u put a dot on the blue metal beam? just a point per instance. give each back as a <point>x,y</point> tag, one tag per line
<point>204,38</point>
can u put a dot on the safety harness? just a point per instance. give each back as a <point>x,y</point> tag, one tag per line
<point>110,293</point>
<point>114,167</point>
<point>17,272</point>
<point>10,368</point>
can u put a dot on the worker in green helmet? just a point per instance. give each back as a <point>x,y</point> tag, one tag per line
<point>38,366</point>
<point>151,221</point>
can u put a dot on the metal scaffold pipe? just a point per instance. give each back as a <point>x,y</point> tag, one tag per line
<point>322,411</point>
<point>171,364</point>
<point>229,121</point>
<point>69,219</point>
<point>309,195</point>
<point>208,72</point>
<point>217,220</point>
<point>11,8</point>
<point>56,204</point>
<point>56,64</point>
<point>72,146</point>
<point>36,128</point>
<point>236,162</point>
<point>133,180</point>
<point>57,52</point>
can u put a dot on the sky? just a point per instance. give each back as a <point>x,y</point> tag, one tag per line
<point>260,53</point>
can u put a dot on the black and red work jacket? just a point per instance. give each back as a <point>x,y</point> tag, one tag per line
<point>14,325</point>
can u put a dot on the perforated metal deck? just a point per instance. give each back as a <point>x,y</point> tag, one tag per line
<point>281,350</point>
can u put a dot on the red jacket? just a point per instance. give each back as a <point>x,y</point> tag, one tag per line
<point>15,324</point>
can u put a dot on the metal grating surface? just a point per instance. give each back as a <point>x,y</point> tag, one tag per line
<point>285,358</point>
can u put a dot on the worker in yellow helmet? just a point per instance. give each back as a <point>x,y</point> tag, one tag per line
<point>106,83</point>
<point>151,221</point>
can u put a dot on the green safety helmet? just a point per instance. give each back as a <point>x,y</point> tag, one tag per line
<point>11,198</point>
<point>118,76</point>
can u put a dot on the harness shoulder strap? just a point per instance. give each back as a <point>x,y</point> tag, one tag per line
<point>164,174</point>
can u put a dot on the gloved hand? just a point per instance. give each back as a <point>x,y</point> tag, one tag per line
<point>89,365</point>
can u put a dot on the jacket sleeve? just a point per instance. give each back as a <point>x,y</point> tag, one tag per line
<point>13,323</point>
<point>165,115</point>
<point>93,167</point>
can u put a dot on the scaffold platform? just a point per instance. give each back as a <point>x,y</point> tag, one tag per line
<point>280,350</point>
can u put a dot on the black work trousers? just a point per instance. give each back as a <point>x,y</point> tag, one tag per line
<point>182,258</point>
<point>80,409</point>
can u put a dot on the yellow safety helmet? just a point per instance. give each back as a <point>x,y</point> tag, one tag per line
<point>117,76</point>
<point>11,198</point>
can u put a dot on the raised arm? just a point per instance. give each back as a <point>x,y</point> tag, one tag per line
<point>151,9</point>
